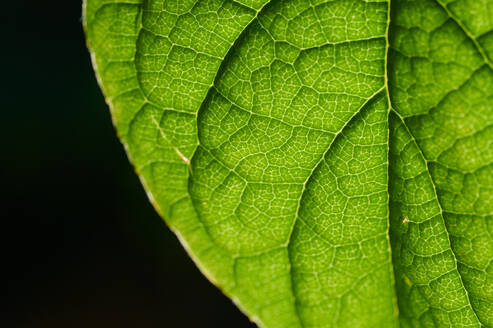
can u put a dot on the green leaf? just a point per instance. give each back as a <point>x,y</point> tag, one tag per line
<point>325,163</point>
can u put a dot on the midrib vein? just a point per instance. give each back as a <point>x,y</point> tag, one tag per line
<point>389,106</point>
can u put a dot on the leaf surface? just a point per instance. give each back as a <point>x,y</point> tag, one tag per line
<point>325,163</point>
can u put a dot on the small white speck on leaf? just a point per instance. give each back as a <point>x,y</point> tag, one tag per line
<point>183,157</point>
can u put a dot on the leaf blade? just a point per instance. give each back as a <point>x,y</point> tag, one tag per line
<point>450,72</point>
<point>233,114</point>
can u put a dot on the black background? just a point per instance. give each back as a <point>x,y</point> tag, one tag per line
<point>81,245</point>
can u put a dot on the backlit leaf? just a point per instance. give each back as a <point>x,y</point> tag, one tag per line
<point>325,163</point>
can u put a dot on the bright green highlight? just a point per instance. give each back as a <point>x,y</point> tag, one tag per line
<point>325,163</point>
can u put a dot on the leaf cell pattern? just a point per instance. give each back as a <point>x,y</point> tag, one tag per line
<point>325,163</point>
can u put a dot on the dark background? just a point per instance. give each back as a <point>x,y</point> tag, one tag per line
<point>81,245</point>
